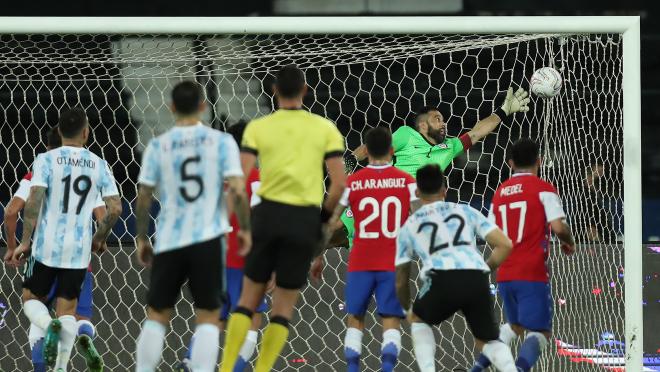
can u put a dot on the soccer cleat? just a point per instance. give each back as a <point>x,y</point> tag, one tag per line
<point>50,342</point>
<point>92,357</point>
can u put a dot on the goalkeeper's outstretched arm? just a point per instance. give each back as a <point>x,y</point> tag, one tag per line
<point>514,102</point>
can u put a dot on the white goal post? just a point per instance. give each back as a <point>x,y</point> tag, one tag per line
<point>628,27</point>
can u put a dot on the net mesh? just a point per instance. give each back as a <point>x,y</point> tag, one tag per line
<point>357,81</point>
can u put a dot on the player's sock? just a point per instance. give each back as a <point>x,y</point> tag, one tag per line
<point>424,346</point>
<point>353,349</point>
<point>530,350</point>
<point>237,328</point>
<point>390,349</point>
<point>150,346</point>
<point>275,336</point>
<point>67,339</point>
<point>85,327</point>
<point>38,313</point>
<point>500,355</point>
<point>247,350</point>
<point>507,335</point>
<point>204,353</point>
<point>36,338</point>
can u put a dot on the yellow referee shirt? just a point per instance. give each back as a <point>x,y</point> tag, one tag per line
<point>292,146</point>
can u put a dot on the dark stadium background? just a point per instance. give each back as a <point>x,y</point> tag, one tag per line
<point>19,139</point>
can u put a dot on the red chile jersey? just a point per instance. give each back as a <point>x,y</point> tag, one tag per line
<point>234,261</point>
<point>379,197</point>
<point>523,206</point>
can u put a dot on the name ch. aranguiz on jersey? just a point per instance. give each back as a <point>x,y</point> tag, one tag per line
<point>73,162</point>
<point>384,183</point>
<point>187,142</point>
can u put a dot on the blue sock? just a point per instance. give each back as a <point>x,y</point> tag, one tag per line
<point>240,364</point>
<point>480,364</point>
<point>85,329</point>
<point>38,356</point>
<point>352,359</point>
<point>529,354</point>
<point>389,357</point>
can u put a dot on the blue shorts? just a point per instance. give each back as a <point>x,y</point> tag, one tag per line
<point>361,285</point>
<point>528,304</point>
<point>234,286</point>
<point>85,300</point>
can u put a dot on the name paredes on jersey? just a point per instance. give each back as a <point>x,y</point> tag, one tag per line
<point>188,142</point>
<point>383,183</point>
<point>511,190</point>
<point>81,163</point>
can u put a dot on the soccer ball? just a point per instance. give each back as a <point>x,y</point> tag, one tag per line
<point>546,82</point>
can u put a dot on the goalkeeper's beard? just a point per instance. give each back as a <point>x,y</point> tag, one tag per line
<point>438,135</point>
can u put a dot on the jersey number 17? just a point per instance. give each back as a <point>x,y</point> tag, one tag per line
<point>522,206</point>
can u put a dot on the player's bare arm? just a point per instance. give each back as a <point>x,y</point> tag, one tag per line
<point>144,249</point>
<point>110,216</point>
<point>502,247</point>
<point>30,215</point>
<point>248,161</point>
<point>514,102</point>
<point>241,205</point>
<point>565,235</point>
<point>10,222</point>
<point>403,284</point>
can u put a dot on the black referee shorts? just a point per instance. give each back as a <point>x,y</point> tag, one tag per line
<point>202,264</point>
<point>441,297</point>
<point>284,238</point>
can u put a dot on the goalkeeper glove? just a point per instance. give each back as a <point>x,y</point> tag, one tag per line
<point>515,102</point>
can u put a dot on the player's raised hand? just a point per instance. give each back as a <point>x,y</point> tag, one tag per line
<point>20,254</point>
<point>316,270</point>
<point>516,102</point>
<point>244,242</point>
<point>145,252</point>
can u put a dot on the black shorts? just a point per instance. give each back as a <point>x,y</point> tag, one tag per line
<point>442,296</point>
<point>39,279</point>
<point>284,239</point>
<point>202,264</point>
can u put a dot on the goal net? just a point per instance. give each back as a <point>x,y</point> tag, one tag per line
<point>358,81</point>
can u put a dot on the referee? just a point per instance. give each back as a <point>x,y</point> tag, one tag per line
<point>292,145</point>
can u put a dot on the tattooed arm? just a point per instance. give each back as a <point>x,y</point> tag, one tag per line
<point>238,196</point>
<point>30,215</point>
<point>113,211</point>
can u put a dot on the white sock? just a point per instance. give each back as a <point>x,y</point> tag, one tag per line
<point>67,338</point>
<point>205,349</point>
<point>507,335</point>
<point>353,340</point>
<point>500,355</point>
<point>392,336</point>
<point>424,346</point>
<point>35,334</point>
<point>150,346</point>
<point>249,345</point>
<point>38,313</point>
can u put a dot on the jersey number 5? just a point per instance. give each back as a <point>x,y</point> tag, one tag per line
<point>522,205</point>
<point>187,177</point>
<point>382,211</point>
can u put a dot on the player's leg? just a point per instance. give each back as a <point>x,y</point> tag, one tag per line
<point>86,330</point>
<point>536,317</point>
<point>391,313</point>
<point>477,308</point>
<point>250,343</point>
<point>69,285</point>
<point>359,288</point>
<point>509,330</point>
<point>167,277</point>
<point>205,263</point>
<point>36,335</point>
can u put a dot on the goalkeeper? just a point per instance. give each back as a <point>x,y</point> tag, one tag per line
<point>427,142</point>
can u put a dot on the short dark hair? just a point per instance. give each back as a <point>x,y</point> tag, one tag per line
<point>290,81</point>
<point>378,141</point>
<point>422,112</point>
<point>430,179</point>
<point>237,130</point>
<point>524,152</point>
<point>53,138</point>
<point>187,96</point>
<point>72,122</point>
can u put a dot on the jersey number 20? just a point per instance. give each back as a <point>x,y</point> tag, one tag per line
<point>383,211</point>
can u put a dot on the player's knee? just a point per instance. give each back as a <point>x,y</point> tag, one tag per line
<point>207,316</point>
<point>542,338</point>
<point>28,295</point>
<point>161,316</point>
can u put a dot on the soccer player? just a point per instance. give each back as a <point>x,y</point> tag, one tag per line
<point>524,206</point>
<point>65,185</point>
<point>188,166</point>
<point>86,329</point>
<point>443,235</point>
<point>427,141</point>
<point>379,197</point>
<point>292,145</point>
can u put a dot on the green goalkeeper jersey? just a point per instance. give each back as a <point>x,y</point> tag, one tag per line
<point>413,151</point>
<point>349,222</point>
